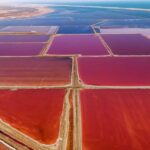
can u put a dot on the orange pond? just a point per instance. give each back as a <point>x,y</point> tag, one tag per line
<point>118,71</point>
<point>115,119</point>
<point>36,113</point>
<point>42,71</point>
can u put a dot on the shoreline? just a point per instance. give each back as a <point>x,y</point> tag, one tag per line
<point>18,12</point>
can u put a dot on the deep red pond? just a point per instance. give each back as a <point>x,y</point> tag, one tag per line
<point>115,119</point>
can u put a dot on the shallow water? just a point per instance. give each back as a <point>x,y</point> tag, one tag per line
<point>86,14</point>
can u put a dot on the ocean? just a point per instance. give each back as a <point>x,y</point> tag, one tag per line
<point>104,14</point>
<point>123,4</point>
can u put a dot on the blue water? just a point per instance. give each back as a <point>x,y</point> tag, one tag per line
<point>124,4</point>
<point>76,17</point>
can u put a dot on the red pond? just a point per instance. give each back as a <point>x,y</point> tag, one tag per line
<point>115,119</point>
<point>36,113</point>
<point>110,71</point>
<point>42,71</point>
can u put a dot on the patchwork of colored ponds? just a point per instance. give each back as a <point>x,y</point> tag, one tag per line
<point>74,87</point>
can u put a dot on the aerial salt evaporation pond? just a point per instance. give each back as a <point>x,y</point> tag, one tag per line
<point>62,88</point>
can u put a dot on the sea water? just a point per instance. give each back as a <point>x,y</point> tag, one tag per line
<point>104,14</point>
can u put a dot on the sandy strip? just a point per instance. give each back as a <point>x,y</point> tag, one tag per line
<point>18,12</point>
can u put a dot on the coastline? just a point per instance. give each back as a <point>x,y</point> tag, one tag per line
<point>27,12</point>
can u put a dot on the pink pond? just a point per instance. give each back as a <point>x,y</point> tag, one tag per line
<point>128,44</point>
<point>110,71</point>
<point>24,49</point>
<point>24,38</point>
<point>35,71</point>
<point>77,44</point>
<point>115,119</point>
